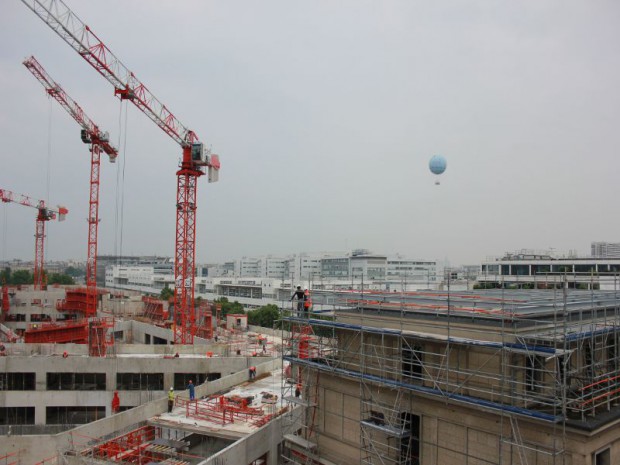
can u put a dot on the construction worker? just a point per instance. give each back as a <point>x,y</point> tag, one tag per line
<point>170,399</point>
<point>307,303</point>
<point>300,299</point>
<point>192,394</point>
<point>116,403</point>
<point>252,372</point>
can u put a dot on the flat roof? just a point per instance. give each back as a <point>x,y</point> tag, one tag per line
<point>492,304</point>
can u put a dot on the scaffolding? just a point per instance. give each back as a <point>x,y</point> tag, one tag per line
<point>300,392</point>
<point>523,359</point>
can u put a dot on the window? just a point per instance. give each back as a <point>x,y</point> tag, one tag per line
<point>539,269</point>
<point>589,268</point>
<point>17,381</point>
<point>562,268</point>
<point>410,446</point>
<point>16,415</point>
<point>588,358</point>
<point>412,362</point>
<point>612,352</point>
<point>534,365</point>
<point>76,382</point>
<point>181,380</point>
<point>602,457</point>
<point>520,270</point>
<point>73,415</point>
<point>140,381</point>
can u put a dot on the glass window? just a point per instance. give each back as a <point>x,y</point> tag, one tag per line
<point>585,268</point>
<point>520,270</point>
<point>16,415</point>
<point>76,381</point>
<point>17,381</point>
<point>562,268</point>
<point>73,415</point>
<point>181,380</point>
<point>140,381</point>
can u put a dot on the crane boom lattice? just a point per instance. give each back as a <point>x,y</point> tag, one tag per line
<point>58,16</point>
<point>44,214</point>
<point>98,140</point>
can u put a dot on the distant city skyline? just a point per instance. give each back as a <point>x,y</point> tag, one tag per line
<point>325,116</point>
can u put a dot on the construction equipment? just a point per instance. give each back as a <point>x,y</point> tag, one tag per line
<point>196,157</point>
<point>98,140</point>
<point>6,304</point>
<point>45,214</point>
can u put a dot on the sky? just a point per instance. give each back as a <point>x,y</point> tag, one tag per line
<point>325,114</point>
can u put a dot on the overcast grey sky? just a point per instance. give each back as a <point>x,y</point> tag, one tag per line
<point>325,114</point>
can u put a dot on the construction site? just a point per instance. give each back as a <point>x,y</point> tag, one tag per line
<point>507,377</point>
<point>101,376</point>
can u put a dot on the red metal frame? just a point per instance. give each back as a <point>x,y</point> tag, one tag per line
<point>39,249</point>
<point>98,141</point>
<point>79,36</point>
<point>61,333</point>
<point>6,303</point>
<point>93,226</point>
<point>44,214</point>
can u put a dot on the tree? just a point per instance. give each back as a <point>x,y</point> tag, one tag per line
<point>74,272</point>
<point>22,277</point>
<point>5,276</point>
<point>166,293</point>
<point>59,278</point>
<point>264,316</point>
<point>229,307</point>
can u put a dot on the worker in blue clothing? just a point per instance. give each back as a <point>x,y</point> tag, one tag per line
<point>192,394</point>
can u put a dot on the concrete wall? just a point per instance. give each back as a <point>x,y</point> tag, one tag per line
<point>30,449</point>
<point>264,441</point>
<point>41,365</point>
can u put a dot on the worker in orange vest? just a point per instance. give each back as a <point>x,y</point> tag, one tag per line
<point>307,303</point>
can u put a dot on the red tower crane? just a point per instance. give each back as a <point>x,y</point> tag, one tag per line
<point>98,140</point>
<point>45,214</point>
<point>57,15</point>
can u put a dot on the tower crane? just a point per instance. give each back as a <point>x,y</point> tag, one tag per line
<point>99,141</point>
<point>44,214</point>
<point>195,160</point>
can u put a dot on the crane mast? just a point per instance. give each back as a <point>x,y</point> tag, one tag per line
<point>99,141</point>
<point>44,214</point>
<point>196,158</point>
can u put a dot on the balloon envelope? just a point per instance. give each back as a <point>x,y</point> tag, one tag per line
<point>437,164</point>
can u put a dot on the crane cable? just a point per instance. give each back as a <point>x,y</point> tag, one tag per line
<point>48,180</point>
<point>49,150</point>
<point>119,204</point>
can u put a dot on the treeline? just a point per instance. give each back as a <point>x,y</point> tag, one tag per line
<point>19,277</point>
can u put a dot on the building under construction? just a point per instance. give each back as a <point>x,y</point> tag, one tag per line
<point>506,377</point>
<point>496,377</point>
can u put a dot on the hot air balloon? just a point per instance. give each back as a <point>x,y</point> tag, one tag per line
<point>437,165</point>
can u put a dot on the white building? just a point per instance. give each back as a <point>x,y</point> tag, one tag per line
<point>544,271</point>
<point>606,249</point>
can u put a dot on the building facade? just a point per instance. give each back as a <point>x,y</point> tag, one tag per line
<point>606,249</point>
<point>544,271</point>
<point>503,377</point>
